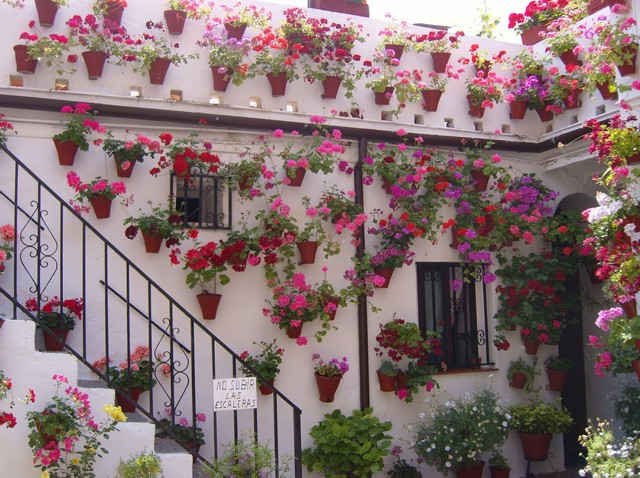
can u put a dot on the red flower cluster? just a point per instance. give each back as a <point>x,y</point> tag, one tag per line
<point>72,306</point>
<point>8,419</point>
<point>538,11</point>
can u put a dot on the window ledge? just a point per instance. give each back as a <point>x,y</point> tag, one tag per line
<point>460,371</point>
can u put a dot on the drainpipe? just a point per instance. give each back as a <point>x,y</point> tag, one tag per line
<point>363,332</point>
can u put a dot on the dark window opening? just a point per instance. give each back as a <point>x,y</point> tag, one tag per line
<point>452,302</point>
<point>204,200</point>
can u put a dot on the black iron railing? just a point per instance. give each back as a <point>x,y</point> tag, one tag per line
<point>59,253</point>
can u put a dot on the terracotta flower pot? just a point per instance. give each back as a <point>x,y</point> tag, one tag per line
<point>127,399</point>
<point>331,85</point>
<point>629,68</point>
<point>175,21</point>
<point>209,305</point>
<point>518,380</point>
<point>114,13</point>
<point>544,114</point>
<point>531,346</point>
<point>386,273</point>
<point>517,109</point>
<point>383,98</point>
<point>341,6</point>
<point>629,308</point>
<point>387,382</point>
<point>158,70</point>
<point>471,471</point>
<point>431,99</point>
<point>94,61</point>
<point>499,472</point>
<point>440,60</point>
<point>535,445</point>
<point>557,379</point>
<point>307,251</point>
<point>66,152</point>
<point>55,339</point>
<point>124,167</point>
<point>266,388</point>
<point>24,63</point>
<point>570,58</point>
<point>606,93</point>
<point>475,110</point>
<point>101,206</point>
<point>595,5</point>
<point>532,35</point>
<point>398,50</point>
<point>221,78</point>
<point>235,31</point>
<point>327,387</point>
<point>47,10</point>
<point>636,367</point>
<point>296,181</point>
<point>480,180</point>
<point>152,241</point>
<point>278,84</point>
<point>294,332</point>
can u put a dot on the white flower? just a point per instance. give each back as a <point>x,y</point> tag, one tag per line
<point>448,464</point>
<point>608,206</point>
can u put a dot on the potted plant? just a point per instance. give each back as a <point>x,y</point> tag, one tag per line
<point>245,172</point>
<point>338,441</point>
<point>432,91</point>
<point>607,455</point>
<point>158,225</point>
<point>333,67</point>
<point>312,235</point>
<point>627,409</point>
<point>245,458</point>
<point>498,466</point>
<point>265,365</point>
<point>336,205</point>
<point>387,376</point>
<point>110,10</point>
<point>126,153</point>
<point>531,92</point>
<point>238,16</point>
<point>7,236</point>
<point>439,43</point>
<point>80,124</point>
<point>381,77</point>
<point>142,465</point>
<point>185,156</point>
<point>51,49</point>
<point>304,34</point>
<point>565,90</point>
<point>557,369</point>
<point>401,468</point>
<point>521,375</point>
<point>190,437</point>
<point>533,23</point>
<point>99,192</point>
<point>483,92</point>
<point>274,60</point>
<point>595,5</point>
<point>479,418</point>
<point>617,42</point>
<point>536,423</point>
<point>565,46</point>
<point>226,59</point>
<point>328,375</point>
<point>56,318</point>
<point>47,10</point>
<point>130,378</point>
<point>394,39</point>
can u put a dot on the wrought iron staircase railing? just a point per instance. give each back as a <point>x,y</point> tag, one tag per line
<point>57,252</point>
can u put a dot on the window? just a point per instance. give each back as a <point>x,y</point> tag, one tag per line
<point>204,200</point>
<point>452,303</point>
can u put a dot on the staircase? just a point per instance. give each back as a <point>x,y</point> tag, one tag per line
<point>59,253</point>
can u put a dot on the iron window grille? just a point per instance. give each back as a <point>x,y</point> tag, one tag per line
<point>452,302</point>
<point>205,200</point>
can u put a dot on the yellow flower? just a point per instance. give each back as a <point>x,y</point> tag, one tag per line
<point>75,461</point>
<point>44,474</point>
<point>115,413</point>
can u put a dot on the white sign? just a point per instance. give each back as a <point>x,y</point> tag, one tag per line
<point>234,394</point>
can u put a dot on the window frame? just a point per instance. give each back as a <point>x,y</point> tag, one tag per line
<point>219,220</point>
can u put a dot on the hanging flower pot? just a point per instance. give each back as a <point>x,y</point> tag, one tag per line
<point>476,110</point>
<point>235,31</point>
<point>544,114</point>
<point>101,206</point>
<point>397,50</point>
<point>605,92</point>
<point>499,472</point>
<point>124,166</point>
<point>307,251</point>
<point>296,181</point>
<point>386,273</point>
<point>570,58</point>
<point>24,63</point>
<point>336,302</point>
<point>158,70</point>
<point>47,10</point>
<point>440,60</point>
<point>266,388</point>
<point>629,68</point>
<point>557,379</point>
<point>209,305</point>
<point>530,346</point>
<point>94,61</point>
<point>127,399</point>
<point>66,152</point>
<point>294,332</point>
<point>636,367</point>
<point>629,308</point>
<point>383,98</point>
<point>175,21</point>
<point>431,99</point>
<point>480,180</point>
<point>535,445</point>
<point>327,387</point>
<point>220,78</point>
<point>387,382</point>
<point>470,471</point>
<point>533,35</point>
<point>595,5</point>
<point>278,83</point>
<point>114,11</point>
<point>518,380</point>
<point>55,339</point>
<point>517,109</point>
<point>152,241</point>
<point>331,85</point>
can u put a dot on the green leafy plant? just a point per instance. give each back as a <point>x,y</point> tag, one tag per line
<point>348,445</point>
<point>539,417</point>
<point>266,363</point>
<point>165,221</point>
<point>499,462</point>
<point>607,457</point>
<point>558,363</point>
<point>522,367</point>
<point>246,459</point>
<point>189,436</point>
<point>144,465</point>
<point>52,50</point>
<point>130,150</point>
<point>80,124</point>
<point>56,314</point>
<point>627,407</point>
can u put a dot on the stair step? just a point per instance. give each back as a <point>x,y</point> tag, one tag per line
<point>92,384</point>
<point>167,445</point>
